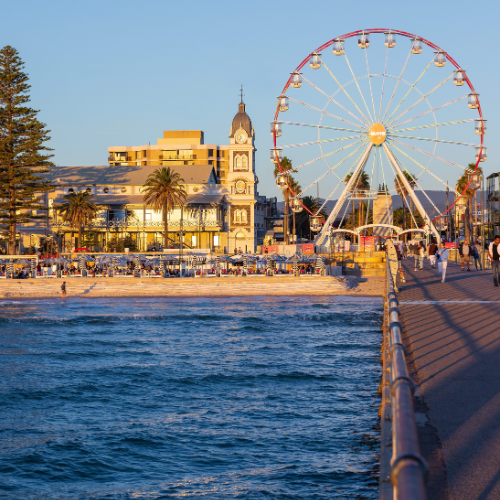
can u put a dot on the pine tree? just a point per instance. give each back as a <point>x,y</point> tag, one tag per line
<point>23,156</point>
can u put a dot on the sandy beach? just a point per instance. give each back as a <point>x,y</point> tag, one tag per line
<point>44,288</point>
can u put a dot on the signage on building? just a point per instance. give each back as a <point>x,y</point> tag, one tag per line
<point>367,244</point>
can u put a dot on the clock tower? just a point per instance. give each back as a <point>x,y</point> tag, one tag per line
<point>241,183</point>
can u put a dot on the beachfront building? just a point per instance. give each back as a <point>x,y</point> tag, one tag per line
<point>223,210</point>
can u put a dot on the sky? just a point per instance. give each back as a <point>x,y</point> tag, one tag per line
<point>117,73</point>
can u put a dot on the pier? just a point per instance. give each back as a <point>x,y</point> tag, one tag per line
<point>451,332</point>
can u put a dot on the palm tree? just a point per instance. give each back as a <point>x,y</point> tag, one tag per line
<point>312,204</point>
<point>162,191</point>
<point>403,193</point>
<point>78,210</point>
<point>362,183</point>
<point>296,188</point>
<point>286,166</point>
<point>469,193</point>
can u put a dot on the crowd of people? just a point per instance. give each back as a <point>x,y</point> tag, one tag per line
<point>438,256</point>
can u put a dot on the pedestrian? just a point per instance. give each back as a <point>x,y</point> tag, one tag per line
<point>464,251</point>
<point>442,257</point>
<point>415,251</point>
<point>476,255</point>
<point>421,255</point>
<point>431,251</point>
<point>494,253</point>
<point>63,290</point>
<point>400,266</point>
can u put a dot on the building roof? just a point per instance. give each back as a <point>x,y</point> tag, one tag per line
<point>125,174</point>
<point>241,120</point>
<point>137,199</point>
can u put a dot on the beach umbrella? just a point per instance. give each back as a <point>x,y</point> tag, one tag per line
<point>137,265</point>
<point>113,265</point>
<point>33,268</point>
<point>295,265</point>
<point>10,268</point>
<point>162,267</point>
<point>269,265</point>
<point>217,264</point>
<point>82,264</point>
<point>320,265</point>
<point>245,264</point>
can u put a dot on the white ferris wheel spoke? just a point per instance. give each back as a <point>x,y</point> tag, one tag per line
<point>430,126</point>
<point>331,170</point>
<point>410,89</point>
<point>331,194</point>
<point>322,141</point>
<point>426,170</point>
<point>426,153</point>
<point>383,84</point>
<point>357,85</point>
<point>319,126</point>
<point>370,84</point>
<point>420,100</point>
<point>397,84</point>
<point>324,112</point>
<point>332,99</point>
<point>294,169</point>
<point>384,181</point>
<point>430,111</point>
<point>430,140</point>
<point>398,181</point>
<point>345,92</point>
<point>416,182</point>
<point>371,186</point>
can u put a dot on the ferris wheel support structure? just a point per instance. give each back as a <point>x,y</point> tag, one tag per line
<point>411,193</point>
<point>325,231</point>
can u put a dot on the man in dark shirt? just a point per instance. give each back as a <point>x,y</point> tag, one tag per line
<point>494,253</point>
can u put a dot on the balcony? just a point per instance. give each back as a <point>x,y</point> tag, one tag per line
<point>178,157</point>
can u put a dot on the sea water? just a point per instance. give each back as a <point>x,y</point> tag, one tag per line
<point>250,398</point>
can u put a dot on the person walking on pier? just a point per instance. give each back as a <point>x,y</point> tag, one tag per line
<point>494,253</point>
<point>476,255</point>
<point>464,251</point>
<point>63,290</point>
<point>431,251</point>
<point>420,254</point>
<point>442,256</point>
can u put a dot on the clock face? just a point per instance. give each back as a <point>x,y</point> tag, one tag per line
<point>240,186</point>
<point>241,136</point>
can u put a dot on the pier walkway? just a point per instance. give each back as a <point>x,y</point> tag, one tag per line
<point>452,333</point>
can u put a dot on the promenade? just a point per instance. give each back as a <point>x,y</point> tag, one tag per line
<point>452,333</point>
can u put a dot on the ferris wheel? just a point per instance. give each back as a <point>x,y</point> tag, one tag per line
<point>374,111</point>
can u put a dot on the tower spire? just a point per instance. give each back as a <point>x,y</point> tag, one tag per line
<point>241,94</point>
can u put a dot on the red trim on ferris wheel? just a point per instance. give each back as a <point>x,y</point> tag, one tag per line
<point>380,30</point>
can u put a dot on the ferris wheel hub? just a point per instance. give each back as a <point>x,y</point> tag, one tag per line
<point>377,134</point>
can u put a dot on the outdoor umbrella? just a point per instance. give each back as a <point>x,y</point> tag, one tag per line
<point>245,264</point>
<point>33,269</point>
<point>82,264</point>
<point>137,264</point>
<point>269,265</point>
<point>10,268</point>
<point>320,265</point>
<point>295,265</point>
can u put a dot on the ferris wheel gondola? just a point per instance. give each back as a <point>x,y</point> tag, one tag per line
<point>380,129</point>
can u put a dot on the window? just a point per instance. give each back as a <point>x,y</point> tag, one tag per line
<point>243,216</point>
<point>124,189</point>
<point>105,190</point>
<point>244,163</point>
<point>216,240</point>
<point>71,190</point>
<point>237,162</point>
<point>148,215</point>
<point>210,152</point>
<point>237,216</point>
<point>193,240</point>
<point>89,190</point>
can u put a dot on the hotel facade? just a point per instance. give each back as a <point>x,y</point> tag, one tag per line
<point>223,211</point>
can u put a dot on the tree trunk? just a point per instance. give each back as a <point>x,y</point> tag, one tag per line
<point>79,234</point>
<point>285,221</point>
<point>12,239</point>
<point>293,216</point>
<point>165,226</point>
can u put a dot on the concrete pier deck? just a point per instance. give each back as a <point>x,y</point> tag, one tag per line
<point>452,332</point>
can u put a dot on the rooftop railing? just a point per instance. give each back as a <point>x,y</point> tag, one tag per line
<point>403,476</point>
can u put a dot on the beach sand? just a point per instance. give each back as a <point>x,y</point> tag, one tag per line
<point>44,288</point>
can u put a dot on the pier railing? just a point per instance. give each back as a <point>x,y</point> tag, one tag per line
<point>402,469</point>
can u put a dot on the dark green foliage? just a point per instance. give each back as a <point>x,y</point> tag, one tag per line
<point>23,157</point>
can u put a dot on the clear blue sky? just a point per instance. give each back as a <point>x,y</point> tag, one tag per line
<point>107,73</point>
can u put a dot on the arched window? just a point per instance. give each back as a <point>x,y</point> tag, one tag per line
<point>237,216</point>
<point>244,163</point>
<point>243,216</point>
<point>237,162</point>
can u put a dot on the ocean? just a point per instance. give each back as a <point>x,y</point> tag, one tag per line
<point>244,398</point>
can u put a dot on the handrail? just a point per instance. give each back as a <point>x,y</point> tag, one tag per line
<point>407,467</point>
